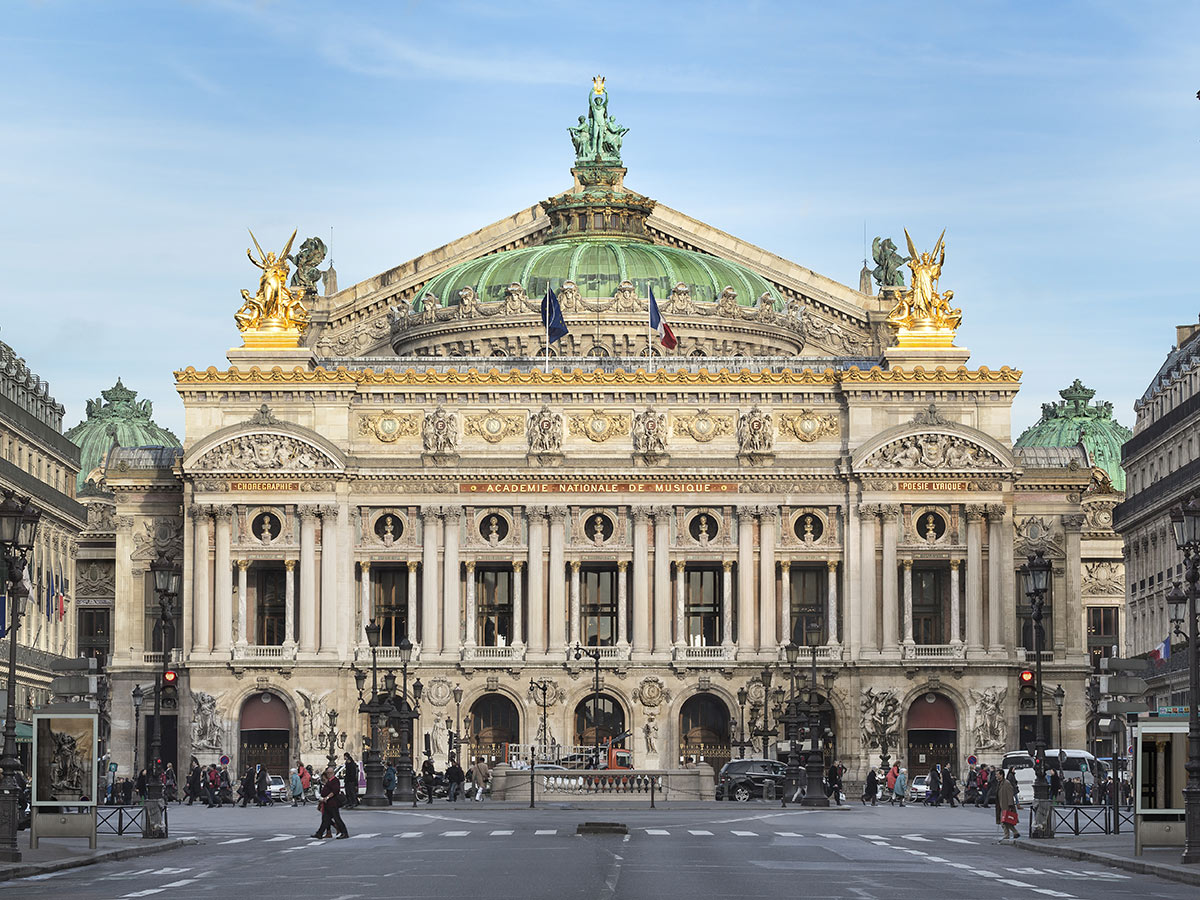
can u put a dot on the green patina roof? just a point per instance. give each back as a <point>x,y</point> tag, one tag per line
<point>117,417</point>
<point>1078,421</point>
<point>598,267</point>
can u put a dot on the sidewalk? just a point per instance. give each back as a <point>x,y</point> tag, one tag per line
<point>54,854</point>
<point>1116,850</point>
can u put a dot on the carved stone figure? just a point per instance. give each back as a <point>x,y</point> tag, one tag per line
<point>515,299</point>
<point>727,304</point>
<point>650,733</point>
<point>649,432</point>
<point>680,300</point>
<point>311,255</point>
<point>264,451</point>
<point>888,270</point>
<point>439,737</point>
<point>206,729</point>
<point>160,536</point>
<point>880,719</point>
<point>932,451</point>
<point>568,296</point>
<point>990,724</point>
<point>755,432</point>
<point>922,306</point>
<point>703,426</point>
<point>651,692</point>
<point>1103,578</point>
<point>314,710</point>
<point>545,431</point>
<point>439,431</point>
<point>598,137</point>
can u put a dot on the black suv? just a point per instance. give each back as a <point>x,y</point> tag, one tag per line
<point>742,779</point>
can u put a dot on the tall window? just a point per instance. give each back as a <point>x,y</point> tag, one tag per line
<point>808,606</point>
<point>1025,618</point>
<point>598,600</point>
<point>93,636</point>
<point>493,605</point>
<point>1102,627</point>
<point>270,614</point>
<point>931,593</point>
<point>702,609</point>
<point>391,603</point>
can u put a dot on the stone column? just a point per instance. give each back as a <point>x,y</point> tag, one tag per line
<point>727,603</point>
<point>622,603</point>
<point>680,611</point>
<point>431,525</point>
<point>243,635</point>
<point>223,573</point>
<point>662,579</point>
<point>364,602</point>
<point>785,588</point>
<point>891,611</point>
<point>955,605</point>
<point>536,516</point>
<point>908,606</point>
<point>745,563</point>
<point>641,580</point>
<point>289,603</point>
<point>451,583</point>
<point>768,617</point>
<point>308,579</point>
<point>573,639</point>
<point>995,514</point>
<point>1008,579</point>
<point>518,601</point>
<point>201,598</point>
<point>410,615</point>
<point>472,616</point>
<point>557,613</point>
<point>831,599</point>
<point>1070,606</point>
<point>974,591</point>
<point>328,611</point>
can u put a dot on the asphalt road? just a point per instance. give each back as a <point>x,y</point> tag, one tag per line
<point>480,850</point>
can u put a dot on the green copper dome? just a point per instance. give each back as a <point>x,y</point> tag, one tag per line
<point>117,417</point>
<point>597,267</point>
<point>1077,421</point>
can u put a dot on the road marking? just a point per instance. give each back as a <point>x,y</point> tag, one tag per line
<point>499,832</point>
<point>960,841</point>
<point>916,837</point>
<point>961,865</point>
<point>656,831</point>
<point>1050,893</point>
<point>1012,882</point>
<point>788,834</point>
<point>936,859</point>
<point>872,837</point>
<point>837,837</point>
<point>881,843</point>
<point>547,831</point>
<point>236,840</point>
<point>1026,871</point>
<point>985,873</point>
<point>410,834</point>
<point>171,871</point>
<point>180,883</point>
<point>282,837</point>
<point>700,833</point>
<point>745,833</point>
<point>455,833</point>
<point>146,893</point>
<point>914,852</point>
<point>369,834</point>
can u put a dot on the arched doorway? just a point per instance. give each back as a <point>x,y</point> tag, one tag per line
<point>266,734</point>
<point>494,723</point>
<point>932,734</point>
<point>704,731</point>
<point>597,721</point>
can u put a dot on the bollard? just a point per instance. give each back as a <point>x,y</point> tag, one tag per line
<point>652,780</point>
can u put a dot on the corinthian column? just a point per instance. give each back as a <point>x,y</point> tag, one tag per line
<point>472,617</point>
<point>641,580</point>
<point>785,589</point>
<point>908,604</point>
<point>974,591</point>
<point>662,579</point>
<point>536,588</point>
<point>518,635</point>
<point>574,638</point>
<point>329,592</point>
<point>431,524</point>
<point>831,600</point>
<point>243,634</point>
<point>557,595</point>
<point>410,613</point>
<point>680,609</point>
<point>995,514</point>
<point>768,639</point>
<point>727,603</point>
<point>891,616</point>
<point>745,564</point>
<point>955,603</point>
<point>364,602</point>
<point>223,573</point>
<point>451,583</point>
<point>201,599</point>
<point>289,601</point>
<point>622,604</point>
<point>308,579</point>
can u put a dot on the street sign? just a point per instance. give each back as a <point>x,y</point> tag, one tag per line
<point>1118,706</point>
<point>112,767</point>
<point>972,759</point>
<point>224,760</point>
<point>1116,664</point>
<point>1129,685</point>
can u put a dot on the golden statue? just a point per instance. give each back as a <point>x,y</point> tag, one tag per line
<point>598,84</point>
<point>922,314</point>
<point>275,316</point>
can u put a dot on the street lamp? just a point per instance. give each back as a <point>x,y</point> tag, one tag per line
<point>457,693</point>
<point>742,696</point>
<point>1185,521</point>
<point>404,776</point>
<point>138,695</point>
<point>593,653</point>
<point>542,686</point>
<point>18,525</point>
<point>374,708</point>
<point>791,720</point>
<point>167,582</point>
<point>1060,697</point>
<point>1036,575</point>
<point>767,733</point>
<point>331,737</point>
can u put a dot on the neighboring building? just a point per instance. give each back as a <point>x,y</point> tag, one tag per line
<point>39,462</point>
<point>1162,469</point>
<point>789,472</point>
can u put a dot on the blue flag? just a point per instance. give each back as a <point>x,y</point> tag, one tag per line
<point>552,318</point>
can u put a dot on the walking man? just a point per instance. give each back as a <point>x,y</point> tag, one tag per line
<point>454,779</point>
<point>350,779</point>
<point>480,773</point>
<point>330,806</point>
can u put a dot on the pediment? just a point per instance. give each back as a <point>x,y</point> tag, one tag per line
<point>932,444</point>
<point>265,444</point>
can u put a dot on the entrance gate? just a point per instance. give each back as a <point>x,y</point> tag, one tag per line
<point>265,735</point>
<point>704,731</point>
<point>932,734</point>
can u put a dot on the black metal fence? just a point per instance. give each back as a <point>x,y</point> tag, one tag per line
<point>1077,820</point>
<point>123,820</point>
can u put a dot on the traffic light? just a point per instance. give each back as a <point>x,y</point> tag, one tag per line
<point>1028,692</point>
<point>170,676</point>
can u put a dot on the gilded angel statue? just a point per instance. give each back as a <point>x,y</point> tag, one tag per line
<point>274,303</point>
<point>922,305</point>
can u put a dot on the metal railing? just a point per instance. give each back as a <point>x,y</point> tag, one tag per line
<point>121,820</point>
<point>1077,820</point>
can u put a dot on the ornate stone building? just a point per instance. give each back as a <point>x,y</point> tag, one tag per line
<point>812,463</point>
<point>37,461</point>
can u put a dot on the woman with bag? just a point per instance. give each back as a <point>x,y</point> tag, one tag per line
<point>1006,808</point>
<point>900,787</point>
<point>330,807</point>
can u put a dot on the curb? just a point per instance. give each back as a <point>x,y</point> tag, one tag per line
<point>1116,861</point>
<point>24,870</point>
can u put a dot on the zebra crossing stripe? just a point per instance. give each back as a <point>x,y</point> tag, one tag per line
<point>410,834</point>
<point>656,831</point>
<point>547,831</point>
<point>700,832</point>
<point>745,833</point>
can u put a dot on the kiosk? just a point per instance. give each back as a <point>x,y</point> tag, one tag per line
<point>1161,751</point>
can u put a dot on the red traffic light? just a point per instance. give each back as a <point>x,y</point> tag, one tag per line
<point>170,676</point>
<point>1026,676</point>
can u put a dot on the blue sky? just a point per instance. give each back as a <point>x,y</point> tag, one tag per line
<point>1057,143</point>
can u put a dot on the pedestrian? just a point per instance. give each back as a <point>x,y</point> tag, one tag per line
<point>428,777</point>
<point>141,785</point>
<point>982,780</point>
<point>949,787</point>
<point>247,785</point>
<point>389,782</point>
<point>900,787</point>
<point>891,782</point>
<point>1056,785</point>
<point>262,787</point>
<point>330,807</point>
<point>1006,802</point>
<point>297,787</point>
<point>305,773</point>
<point>480,773</point>
<point>834,777</point>
<point>1069,791</point>
<point>350,780</point>
<point>935,785</point>
<point>170,783</point>
<point>871,789</point>
<point>454,779</point>
<point>212,786</point>
<point>193,787</point>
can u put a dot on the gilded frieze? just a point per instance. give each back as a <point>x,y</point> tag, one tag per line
<point>390,425</point>
<point>807,425</point>
<point>703,426</point>
<point>493,426</point>
<point>599,426</point>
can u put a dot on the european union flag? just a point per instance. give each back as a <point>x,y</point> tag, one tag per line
<point>552,318</point>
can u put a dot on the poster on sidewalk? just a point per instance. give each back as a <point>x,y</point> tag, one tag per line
<point>64,759</point>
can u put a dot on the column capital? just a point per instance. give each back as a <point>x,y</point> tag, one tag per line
<point>289,564</point>
<point>679,565</point>
<point>831,565</point>
<point>974,512</point>
<point>307,513</point>
<point>995,512</point>
<point>784,564</point>
<point>746,514</point>
<point>518,565</point>
<point>575,566</point>
<point>1074,522</point>
<point>243,564</point>
<point>868,510</point>
<point>199,511</point>
<point>954,564</point>
<point>641,514</point>
<point>365,565</point>
<point>470,564</point>
<point>908,564</point>
<point>452,514</point>
<point>890,511</point>
<point>768,513</point>
<point>557,514</point>
<point>412,564</point>
<point>727,565</point>
<point>534,512</point>
<point>662,513</point>
<point>622,565</point>
<point>329,510</point>
<point>223,512</point>
<point>431,512</point>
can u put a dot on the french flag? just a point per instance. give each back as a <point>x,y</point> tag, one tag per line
<point>666,336</point>
<point>1162,652</point>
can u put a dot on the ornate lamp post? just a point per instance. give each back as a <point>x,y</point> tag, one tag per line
<point>792,718</point>
<point>404,770</point>
<point>1060,697</point>
<point>331,737</point>
<point>766,733</point>
<point>1036,574</point>
<point>593,653</point>
<point>138,696</point>
<point>457,694</point>
<point>1185,521</point>
<point>813,761</point>
<point>18,525</point>
<point>374,708</point>
<point>742,695</point>
<point>542,686</point>
<point>167,582</point>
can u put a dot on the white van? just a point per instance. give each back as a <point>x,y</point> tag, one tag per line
<point>1070,763</point>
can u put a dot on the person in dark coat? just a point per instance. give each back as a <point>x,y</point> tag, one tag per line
<point>428,777</point>
<point>949,787</point>
<point>834,777</point>
<point>454,779</point>
<point>351,782</point>
<point>247,785</point>
<point>262,787</point>
<point>193,782</point>
<point>871,791</point>
<point>1006,799</point>
<point>330,806</point>
<point>935,785</point>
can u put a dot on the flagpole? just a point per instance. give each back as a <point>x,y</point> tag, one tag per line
<point>649,348</point>
<point>546,319</point>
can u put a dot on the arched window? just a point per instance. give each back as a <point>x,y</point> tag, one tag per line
<point>603,714</point>
<point>494,722</point>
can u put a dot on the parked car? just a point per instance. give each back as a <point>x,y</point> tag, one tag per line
<point>917,788</point>
<point>743,779</point>
<point>278,789</point>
